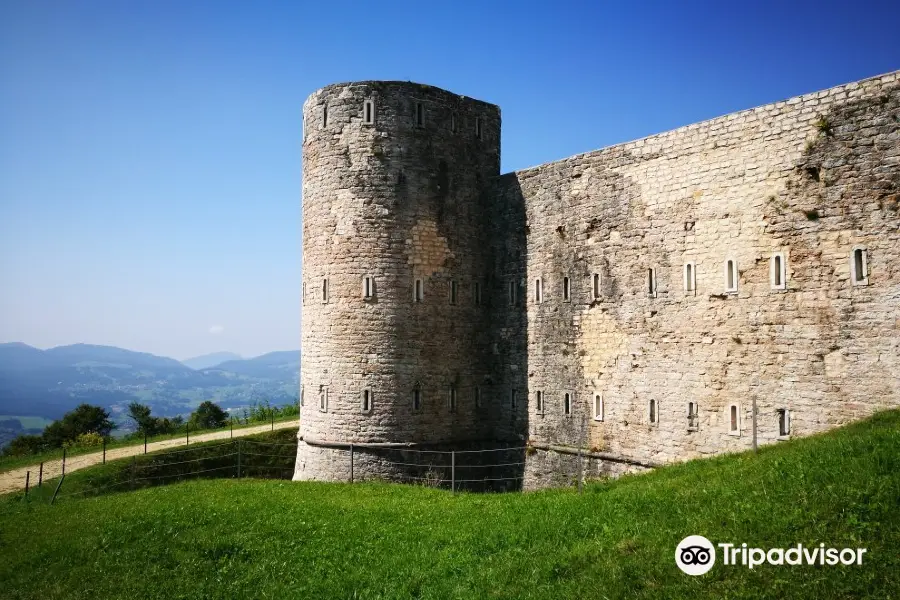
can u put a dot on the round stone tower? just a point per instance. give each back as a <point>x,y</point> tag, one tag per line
<point>394,327</point>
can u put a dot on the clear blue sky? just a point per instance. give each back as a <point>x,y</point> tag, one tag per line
<point>150,150</point>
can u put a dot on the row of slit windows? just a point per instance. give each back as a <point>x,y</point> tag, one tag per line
<point>777,279</point>
<point>731,276</point>
<point>733,418</point>
<point>367,399</point>
<point>733,412</point>
<point>540,404</point>
<point>418,290</point>
<point>419,117</point>
<point>859,275</point>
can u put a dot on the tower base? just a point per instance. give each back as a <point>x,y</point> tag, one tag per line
<point>471,466</point>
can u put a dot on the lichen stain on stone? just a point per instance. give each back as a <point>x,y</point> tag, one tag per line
<point>600,344</point>
<point>426,249</point>
<point>835,365</point>
<point>345,223</point>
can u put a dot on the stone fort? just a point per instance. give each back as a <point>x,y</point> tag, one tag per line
<point>626,307</point>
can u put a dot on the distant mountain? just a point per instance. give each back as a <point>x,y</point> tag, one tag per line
<point>80,354</point>
<point>48,383</point>
<point>17,355</point>
<point>210,360</point>
<point>278,366</point>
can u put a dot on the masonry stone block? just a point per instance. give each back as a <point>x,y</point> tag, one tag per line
<point>812,180</point>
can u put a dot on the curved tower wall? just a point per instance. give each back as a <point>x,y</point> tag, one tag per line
<point>397,200</point>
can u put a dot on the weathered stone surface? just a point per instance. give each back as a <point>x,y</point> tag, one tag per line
<point>812,178</point>
<point>398,202</point>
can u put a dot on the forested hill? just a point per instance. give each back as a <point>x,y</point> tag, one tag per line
<point>47,383</point>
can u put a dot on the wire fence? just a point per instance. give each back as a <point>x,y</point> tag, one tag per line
<point>185,433</point>
<point>481,470</point>
<point>231,459</point>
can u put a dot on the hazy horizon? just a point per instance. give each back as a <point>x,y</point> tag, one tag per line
<point>150,180</point>
<point>178,358</point>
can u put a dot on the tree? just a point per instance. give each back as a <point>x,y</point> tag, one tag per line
<point>209,415</point>
<point>169,425</point>
<point>145,423</point>
<point>23,445</point>
<point>140,416</point>
<point>84,419</point>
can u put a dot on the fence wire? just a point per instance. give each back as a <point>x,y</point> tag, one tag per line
<point>494,469</point>
<point>219,460</point>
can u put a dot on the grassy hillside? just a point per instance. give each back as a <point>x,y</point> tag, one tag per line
<point>8,463</point>
<point>269,455</point>
<point>275,539</point>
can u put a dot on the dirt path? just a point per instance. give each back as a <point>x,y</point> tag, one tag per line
<point>15,479</point>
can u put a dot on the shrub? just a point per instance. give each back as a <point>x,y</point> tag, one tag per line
<point>266,412</point>
<point>84,419</point>
<point>208,415</point>
<point>23,445</point>
<point>147,424</point>
<point>85,440</point>
<point>824,126</point>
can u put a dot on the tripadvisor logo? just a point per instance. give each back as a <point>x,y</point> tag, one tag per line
<point>696,555</point>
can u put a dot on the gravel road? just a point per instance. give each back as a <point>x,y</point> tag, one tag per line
<point>15,479</point>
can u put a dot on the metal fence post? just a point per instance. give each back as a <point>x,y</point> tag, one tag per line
<point>27,482</point>
<point>187,430</point>
<point>58,485</point>
<point>145,442</point>
<point>64,463</point>
<point>273,420</point>
<point>41,474</point>
<point>453,471</point>
<point>351,463</point>
<point>104,450</point>
<point>239,458</point>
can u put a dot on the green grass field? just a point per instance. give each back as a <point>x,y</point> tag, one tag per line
<point>279,539</point>
<point>7,463</point>
<point>267,455</point>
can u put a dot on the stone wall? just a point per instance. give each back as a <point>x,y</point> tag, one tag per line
<point>549,468</point>
<point>812,178</point>
<point>809,180</point>
<point>397,199</point>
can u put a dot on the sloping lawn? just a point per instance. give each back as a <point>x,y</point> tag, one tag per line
<point>279,539</point>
